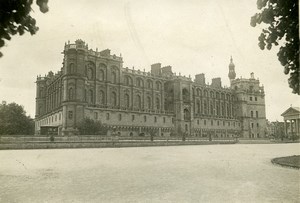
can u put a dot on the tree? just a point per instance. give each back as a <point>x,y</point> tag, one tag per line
<point>15,18</point>
<point>90,127</point>
<point>282,18</point>
<point>13,120</point>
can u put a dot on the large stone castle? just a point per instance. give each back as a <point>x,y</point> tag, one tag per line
<point>129,102</point>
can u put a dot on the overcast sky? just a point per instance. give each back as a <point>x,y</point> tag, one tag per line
<point>195,36</point>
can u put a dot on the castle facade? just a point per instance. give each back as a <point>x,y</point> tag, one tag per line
<point>131,102</point>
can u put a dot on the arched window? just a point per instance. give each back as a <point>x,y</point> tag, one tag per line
<point>128,80</point>
<point>185,94</point>
<point>113,99</point>
<point>223,109</point>
<point>205,93</point>
<point>158,86</point>
<point>211,109</point>
<point>101,75</point>
<point>149,84</point>
<point>139,82</point>
<point>138,101</point>
<point>149,102</point>
<point>222,96</point>
<point>205,107</point>
<point>218,109</point>
<point>90,73</point>
<point>126,100</point>
<point>157,103</point>
<point>71,68</point>
<point>198,107</point>
<point>91,96</point>
<point>186,114</point>
<point>113,77</point>
<point>71,93</point>
<point>101,97</point>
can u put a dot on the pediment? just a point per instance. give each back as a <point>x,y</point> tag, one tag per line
<point>292,111</point>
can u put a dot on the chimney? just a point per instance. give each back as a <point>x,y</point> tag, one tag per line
<point>156,69</point>
<point>216,82</point>
<point>200,79</point>
<point>105,52</point>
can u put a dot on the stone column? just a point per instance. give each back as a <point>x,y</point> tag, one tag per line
<point>285,128</point>
<point>298,130</point>
<point>291,121</point>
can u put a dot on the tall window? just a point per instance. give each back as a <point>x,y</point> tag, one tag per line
<point>71,93</point>
<point>198,107</point>
<point>91,96</point>
<point>158,85</point>
<point>139,82</point>
<point>114,99</point>
<point>186,115</point>
<point>149,102</point>
<point>126,100</point>
<point>113,77</point>
<point>149,84</point>
<point>251,114</point>
<point>157,103</point>
<point>101,97</point>
<point>70,114</point>
<point>205,107</point>
<point>101,75</point>
<point>71,68</point>
<point>90,73</point>
<point>256,114</point>
<point>185,95</point>
<point>128,80</point>
<point>138,101</point>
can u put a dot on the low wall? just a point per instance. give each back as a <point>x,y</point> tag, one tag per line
<point>105,144</point>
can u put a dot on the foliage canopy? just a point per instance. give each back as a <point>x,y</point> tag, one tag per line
<point>91,127</point>
<point>13,120</point>
<point>15,18</point>
<point>282,18</point>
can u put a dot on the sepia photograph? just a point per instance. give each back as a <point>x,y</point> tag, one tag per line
<point>149,101</point>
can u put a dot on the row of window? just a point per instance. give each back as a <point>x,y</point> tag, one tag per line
<point>216,95</point>
<point>256,114</point>
<point>132,117</point>
<point>252,125</point>
<point>218,123</point>
<point>214,109</point>
<point>251,98</point>
<point>113,99</point>
<point>49,120</point>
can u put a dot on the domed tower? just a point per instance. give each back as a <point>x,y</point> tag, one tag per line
<point>231,73</point>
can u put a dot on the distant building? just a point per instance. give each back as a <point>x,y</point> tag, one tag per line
<point>292,121</point>
<point>133,102</point>
<point>276,129</point>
